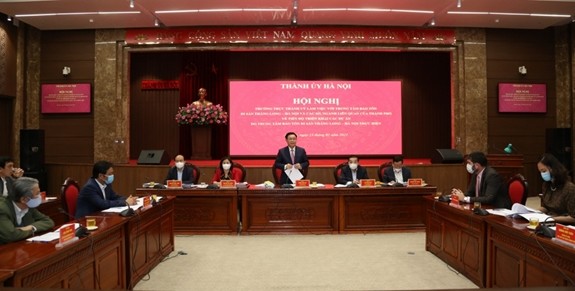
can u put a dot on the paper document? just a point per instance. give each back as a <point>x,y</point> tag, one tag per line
<point>139,203</point>
<point>293,174</point>
<point>50,236</point>
<point>520,210</point>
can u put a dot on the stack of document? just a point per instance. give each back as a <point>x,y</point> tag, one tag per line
<point>520,210</point>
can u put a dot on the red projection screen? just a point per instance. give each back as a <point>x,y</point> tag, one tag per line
<point>331,118</point>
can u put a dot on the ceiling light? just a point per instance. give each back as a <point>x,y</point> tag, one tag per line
<point>432,22</point>
<point>131,3</point>
<point>9,18</point>
<point>156,22</point>
<point>458,3</point>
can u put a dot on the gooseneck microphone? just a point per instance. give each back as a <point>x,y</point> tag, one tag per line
<point>81,231</point>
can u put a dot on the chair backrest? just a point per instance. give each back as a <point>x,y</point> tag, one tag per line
<point>276,173</point>
<point>517,188</point>
<point>195,172</point>
<point>69,196</point>
<point>239,166</point>
<point>337,171</point>
<point>381,169</point>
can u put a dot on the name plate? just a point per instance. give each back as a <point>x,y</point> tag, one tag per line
<point>367,183</point>
<point>565,233</point>
<point>415,182</point>
<point>302,184</point>
<point>227,183</point>
<point>67,233</point>
<point>147,201</point>
<point>172,184</point>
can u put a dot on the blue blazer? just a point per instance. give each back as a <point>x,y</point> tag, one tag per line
<point>187,175</point>
<point>284,157</point>
<point>389,175</point>
<point>91,200</point>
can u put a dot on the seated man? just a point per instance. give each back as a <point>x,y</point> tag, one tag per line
<point>485,186</point>
<point>397,173</point>
<point>352,172</point>
<point>97,194</point>
<point>180,172</point>
<point>7,175</point>
<point>18,217</point>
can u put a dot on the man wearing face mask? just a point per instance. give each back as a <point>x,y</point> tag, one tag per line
<point>352,172</point>
<point>486,185</point>
<point>180,171</point>
<point>397,173</point>
<point>19,218</point>
<point>97,194</point>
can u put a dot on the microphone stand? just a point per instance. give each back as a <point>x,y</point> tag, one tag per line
<point>81,231</point>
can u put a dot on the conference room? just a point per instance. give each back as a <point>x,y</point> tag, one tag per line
<point>430,81</point>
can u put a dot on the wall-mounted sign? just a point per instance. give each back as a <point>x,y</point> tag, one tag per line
<point>522,97</point>
<point>66,98</point>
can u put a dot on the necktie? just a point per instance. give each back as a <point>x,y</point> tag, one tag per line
<point>477,185</point>
<point>292,154</point>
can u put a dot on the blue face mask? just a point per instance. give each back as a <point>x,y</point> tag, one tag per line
<point>110,179</point>
<point>546,176</point>
<point>34,202</point>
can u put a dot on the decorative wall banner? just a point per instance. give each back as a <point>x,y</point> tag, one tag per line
<point>522,97</point>
<point>324,34</point>
<point>160,85</point>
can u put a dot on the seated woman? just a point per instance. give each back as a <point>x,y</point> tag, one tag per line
<point>558,199</point>
<point>226,171</point>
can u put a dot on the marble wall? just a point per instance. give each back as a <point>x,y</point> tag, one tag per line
<point>111,103</point>
<point>470,102</point>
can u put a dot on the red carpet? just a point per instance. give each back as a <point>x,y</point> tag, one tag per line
<point>313,162</point>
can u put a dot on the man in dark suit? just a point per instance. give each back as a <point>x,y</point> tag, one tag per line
<point>397,172</point>
<point>19,218</point>
<point>486,185</point>
<point>180,171</point>
<point>291,156</point>
<point>352,172</point>
<point>7,175</point>
<point>97,194</point>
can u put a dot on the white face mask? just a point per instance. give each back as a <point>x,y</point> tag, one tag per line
<point>226,166</point>
<point>353,166</point>
<point>179,165</point>
<point>470,168</point>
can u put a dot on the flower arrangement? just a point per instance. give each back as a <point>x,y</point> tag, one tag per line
<point>201,115</point>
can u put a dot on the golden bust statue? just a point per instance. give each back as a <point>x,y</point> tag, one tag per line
<point>202,93</point>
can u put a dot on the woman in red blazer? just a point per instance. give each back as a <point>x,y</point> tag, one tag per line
<point>226,171</point>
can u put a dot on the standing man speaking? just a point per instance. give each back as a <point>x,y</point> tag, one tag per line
<point>291,156</point>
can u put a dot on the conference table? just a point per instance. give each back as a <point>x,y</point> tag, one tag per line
<point>496,251</point>
<point>299,210</point>
<point>114,256</point>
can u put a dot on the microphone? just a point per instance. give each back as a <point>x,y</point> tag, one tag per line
<point>81,231</point>
<point>544,230</point>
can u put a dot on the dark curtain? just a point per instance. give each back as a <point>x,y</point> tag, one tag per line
<point>205,69</point>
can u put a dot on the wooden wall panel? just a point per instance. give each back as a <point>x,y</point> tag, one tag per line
<point>506,51</point>
<point>152,112</point>
<point>69,138</point>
